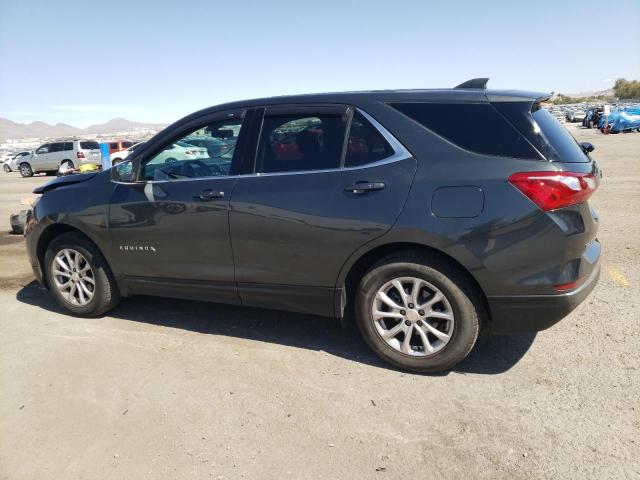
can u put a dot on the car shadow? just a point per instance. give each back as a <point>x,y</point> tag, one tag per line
<point>491,355</point>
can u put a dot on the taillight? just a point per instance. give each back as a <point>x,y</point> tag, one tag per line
<point>552,190</point>
<point>79,154</point>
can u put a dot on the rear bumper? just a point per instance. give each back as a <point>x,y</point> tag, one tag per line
<point>532,313</point>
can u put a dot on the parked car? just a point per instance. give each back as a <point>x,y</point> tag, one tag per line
<point>68,154</point>
<point>117,157</point>
<point>11,164</point>
<point>119,146</point>
<point>574,116</point>
<point>450,214</point>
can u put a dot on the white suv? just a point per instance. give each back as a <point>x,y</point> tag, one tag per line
<point>49,157</point>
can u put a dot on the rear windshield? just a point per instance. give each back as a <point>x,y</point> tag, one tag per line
<point>544,132</point>
<point>89,146</point>
<point>559,138</point>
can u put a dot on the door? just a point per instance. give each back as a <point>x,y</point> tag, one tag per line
<point>170,229</point>
<point>314,199</point>
<point>40,158</point>
<point>54,157</point>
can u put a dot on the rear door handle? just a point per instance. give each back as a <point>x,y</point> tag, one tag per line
<point>206,195</point>
<point>363,187</point>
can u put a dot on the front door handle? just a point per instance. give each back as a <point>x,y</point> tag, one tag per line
<point>207,195</point>
<point>363,187</point>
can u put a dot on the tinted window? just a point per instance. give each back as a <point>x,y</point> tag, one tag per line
<point>300,142</point>
<point>68,146</point>
<point>56,147</point>
<point>89,146</point>
<point>113,146</point>
<point>126,144</point>
<point>477,127</point>
<point>559,138</point>
<point>365,144</point>
<point>199,154</point>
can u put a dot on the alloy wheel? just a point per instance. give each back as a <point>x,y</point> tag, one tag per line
<point>413,316</point>
<point>73,277</point>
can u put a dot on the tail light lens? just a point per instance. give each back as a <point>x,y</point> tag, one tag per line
<point>79,154</point>
<point>552,190</point>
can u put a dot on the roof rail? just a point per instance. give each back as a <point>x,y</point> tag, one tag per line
<point>475,83</point>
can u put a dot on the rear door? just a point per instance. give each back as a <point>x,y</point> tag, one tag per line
<point>315,195</point>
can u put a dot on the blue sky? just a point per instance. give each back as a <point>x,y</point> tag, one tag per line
<point>84,62</point>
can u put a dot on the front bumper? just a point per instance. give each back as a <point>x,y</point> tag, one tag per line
<point>532,313</point>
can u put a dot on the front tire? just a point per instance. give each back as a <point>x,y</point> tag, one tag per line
<point>26,170</point>
<point>418,313</point>
<point>79,277</point>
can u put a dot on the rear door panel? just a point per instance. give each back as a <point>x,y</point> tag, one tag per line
<point>299,228</point>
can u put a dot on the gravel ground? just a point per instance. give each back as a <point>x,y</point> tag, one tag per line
<point>175,389</point>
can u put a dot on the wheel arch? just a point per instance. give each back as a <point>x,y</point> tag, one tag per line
<point>53,231</point>
<point>345,291</point>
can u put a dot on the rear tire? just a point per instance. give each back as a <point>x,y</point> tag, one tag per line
<point>26,170</point>
<point>454,337</point>
<point>99,292</point>
<point>68,164</point>
<point>6,168</point>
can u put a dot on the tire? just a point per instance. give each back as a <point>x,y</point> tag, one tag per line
<point>105,293</point>
<point>68,163</point>
<point>460,299</point>
<point>6,168</point>
<point>26,170</point>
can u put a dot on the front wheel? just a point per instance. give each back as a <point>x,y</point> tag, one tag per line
<point>79,277</point>
<point>418,313</point>
<point>25,170</point>
<point>6,168</point>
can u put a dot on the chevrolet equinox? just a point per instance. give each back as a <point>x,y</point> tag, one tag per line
<point>425,215</point>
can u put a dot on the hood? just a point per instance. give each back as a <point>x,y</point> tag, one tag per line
<point>66,180</point>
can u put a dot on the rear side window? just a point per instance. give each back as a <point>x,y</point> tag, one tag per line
<point>68,146</point>
<point>365,144</point>
<point>477,127</point>
<point>89,146</point>
<point>300,142</point>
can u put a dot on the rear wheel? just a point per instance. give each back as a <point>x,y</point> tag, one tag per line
<point>6,168</point>
<point>67,165</point>
<point>418,313</point>
<point>25,170</point>
<point>79,277</point>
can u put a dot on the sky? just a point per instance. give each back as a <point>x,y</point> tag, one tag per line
<point>84,62</point>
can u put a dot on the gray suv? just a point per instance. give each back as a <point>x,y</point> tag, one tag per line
<point>425,215</point>
<point>70,154</point>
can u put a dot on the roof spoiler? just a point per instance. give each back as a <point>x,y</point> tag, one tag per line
<point>475,83</point>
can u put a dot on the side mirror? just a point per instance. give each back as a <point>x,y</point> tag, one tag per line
<point>587,147</point>
<point>123,172</point>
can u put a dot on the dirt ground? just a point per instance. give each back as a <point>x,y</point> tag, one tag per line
<point>176,389</point>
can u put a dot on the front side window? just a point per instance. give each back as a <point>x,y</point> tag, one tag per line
<point>206,152</point>
<point>300,142</point>
<point>43,149</point>
<point>56,147</point>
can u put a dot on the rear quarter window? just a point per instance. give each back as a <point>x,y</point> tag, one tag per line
<point>476,127</point>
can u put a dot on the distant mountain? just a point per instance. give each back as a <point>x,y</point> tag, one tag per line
<point>590,94</point>
<point>13,130</point>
